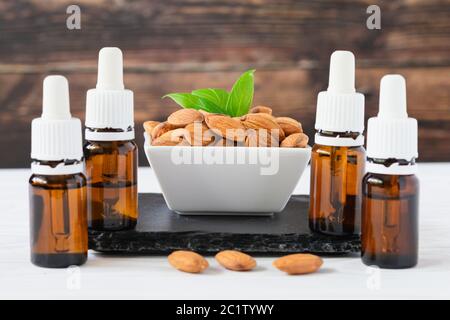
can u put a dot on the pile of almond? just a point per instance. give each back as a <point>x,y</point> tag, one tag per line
<point>258,128</point>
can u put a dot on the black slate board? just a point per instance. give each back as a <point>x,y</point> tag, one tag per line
<point>160,231</point>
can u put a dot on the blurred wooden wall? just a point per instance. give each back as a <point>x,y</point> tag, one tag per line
<point>180,45</point>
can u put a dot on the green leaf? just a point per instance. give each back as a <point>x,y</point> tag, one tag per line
<point>235,103</point>
<point>213,99</point>
<point>186,100</point>
<point>241,95</point>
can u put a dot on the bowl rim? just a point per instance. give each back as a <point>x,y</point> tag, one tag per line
<point>281,149</point>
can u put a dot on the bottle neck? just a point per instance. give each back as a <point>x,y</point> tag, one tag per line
<point>60,167</point>
<point>339,139</point>
<point>391,166</point>
<point>109,134</point>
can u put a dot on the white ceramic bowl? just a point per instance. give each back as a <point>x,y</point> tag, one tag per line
<point>227,180</point>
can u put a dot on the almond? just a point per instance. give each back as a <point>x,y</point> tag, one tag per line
<point>160,129</point>
<point>235,260</point>
<point>183,117</point>
<point>226,127</point>
<point>263,121</point>
<point>204,113</point>
<point>289,125</point>
<point>259,121</point>
<point>296,140</point>
<point>170,138</point>
<point>164,143</point>
<point>261,109</point>
<point>222,142</point>
<point>261,138</point>
<point>299,263</point>
<point>149,125</point>
<point>198,134</point>
<point>187,261</point>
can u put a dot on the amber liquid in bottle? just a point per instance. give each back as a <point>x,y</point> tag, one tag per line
<point>58,220</point>
<point>390,220</point>
<point>335,194</point>
<point>111,170</point>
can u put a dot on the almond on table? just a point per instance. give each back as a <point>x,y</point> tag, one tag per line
<point>187,261</point>
<point>298,263</point>
<point>235,260</point>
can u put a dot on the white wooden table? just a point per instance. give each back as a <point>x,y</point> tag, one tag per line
<point>151,277</point>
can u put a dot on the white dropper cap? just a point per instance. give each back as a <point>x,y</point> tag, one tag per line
<point>110,105</point>
<point>110,69</point>
<point>340,108</point>
<point>392,134</point>
<point>55,98</point>
<point>342,72</point>
<point>56,136</point>
<point>392,103</point>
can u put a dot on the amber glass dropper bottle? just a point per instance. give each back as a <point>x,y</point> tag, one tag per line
<point>110,150</point>
<point>57,186</point>
<point>338,156</point>
<point>390,188</point>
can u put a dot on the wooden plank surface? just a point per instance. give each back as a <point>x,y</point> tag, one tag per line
<point>180,45</point>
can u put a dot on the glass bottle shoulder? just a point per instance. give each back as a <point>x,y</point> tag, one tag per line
<point>109,147</point>
<point>390,185</point>
<point>324,150</point>
<point>67,181</point>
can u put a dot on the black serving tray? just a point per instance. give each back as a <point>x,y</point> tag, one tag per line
<point>161,231</point>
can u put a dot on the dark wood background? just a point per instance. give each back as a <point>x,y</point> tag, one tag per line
<point>180,45</point>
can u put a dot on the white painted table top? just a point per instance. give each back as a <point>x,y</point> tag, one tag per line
<point>144,277</point>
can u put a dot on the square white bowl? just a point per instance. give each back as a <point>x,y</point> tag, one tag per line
<point>227,180</point>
